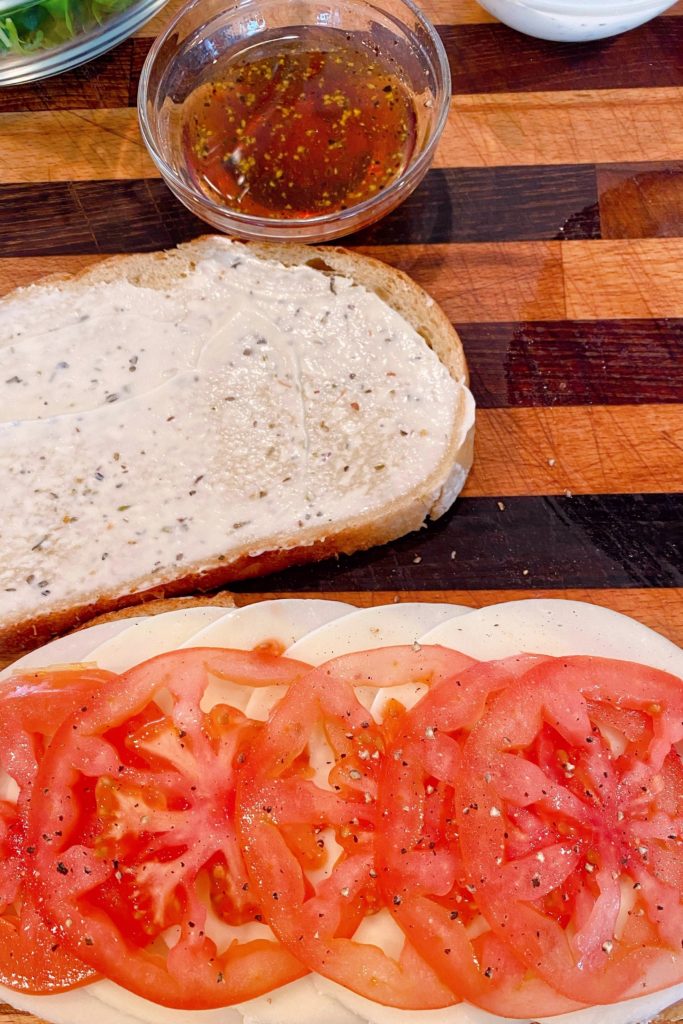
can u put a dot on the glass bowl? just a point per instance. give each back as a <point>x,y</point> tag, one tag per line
<point>39,38</point>
<point>207,35</point>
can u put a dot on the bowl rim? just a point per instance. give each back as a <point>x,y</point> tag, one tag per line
<point>414,169</point>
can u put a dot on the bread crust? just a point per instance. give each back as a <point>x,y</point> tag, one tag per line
<point>403,515</point>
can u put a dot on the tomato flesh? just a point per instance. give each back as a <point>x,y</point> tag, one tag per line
<point>601,814</point>
<point>317,922</point>
<point>32,706</point>
<point>522,825</point>
<point>147,813</point>
<point>423,875</point>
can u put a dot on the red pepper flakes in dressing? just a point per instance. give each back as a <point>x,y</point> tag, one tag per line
<point>298,131</point>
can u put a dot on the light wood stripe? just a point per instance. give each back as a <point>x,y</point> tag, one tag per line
<point>662,610</point>
<point>16,273</point>
<point>595,125</point>
<point>441,12</point>
<point>488,282</point>
<point>580,449</point>
<point>500,129</point>
<point>548,280</point>
<point>515,281</point>
<point>73,145</point>
<point>637,277</point>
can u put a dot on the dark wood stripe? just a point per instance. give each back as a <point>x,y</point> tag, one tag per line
<point>619,540</point>
<point>579,362</point>
<point>494,204</point>
<point>452,205</point>
<point>93,217</point>
<point>477,205</point>
<point>493,58</point>
<point>484,58</point>
<point>109,81</point>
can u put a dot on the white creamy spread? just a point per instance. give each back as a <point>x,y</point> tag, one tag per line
<point>141,429</point>
<point>316,631</point>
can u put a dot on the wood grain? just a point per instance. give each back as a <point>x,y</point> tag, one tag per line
<point>503,281</point>
<point>105,82</point>
<point>592,125</point>
<point>506,129</point>
<point>121,216</point>
<point>583,450</point>
<point>625,278</point>
<point>454,12</point>
<point>494,59</point>
<point>73,145</point>
<point>641,200</point>
<point>490,204</point>
<point>482,204</point>
<point>17,273</point>
<point>575,362</point>
<point>591,280</point>
<point>479,204</point>
<point>484,58</point>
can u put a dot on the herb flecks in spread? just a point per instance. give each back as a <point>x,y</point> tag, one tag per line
<point>145,429</point>
<point>299,131</point>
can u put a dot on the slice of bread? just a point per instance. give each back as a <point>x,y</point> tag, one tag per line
<point>314,400</point>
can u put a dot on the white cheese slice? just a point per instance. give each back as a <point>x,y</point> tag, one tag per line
<point>68,650</point>
<point>153,635</point>
<point>282,622</point>
<point>551,626</point>
<point>363,630</point>
<point>544,626</point>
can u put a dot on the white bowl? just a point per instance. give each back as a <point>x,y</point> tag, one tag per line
<point>574,20</point>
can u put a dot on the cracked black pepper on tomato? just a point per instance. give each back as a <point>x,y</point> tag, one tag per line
<point>299,132</point>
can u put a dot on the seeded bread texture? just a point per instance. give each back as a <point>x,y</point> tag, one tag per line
<point>405,513</point>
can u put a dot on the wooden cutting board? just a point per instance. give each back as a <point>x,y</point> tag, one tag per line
<point>550,229</point>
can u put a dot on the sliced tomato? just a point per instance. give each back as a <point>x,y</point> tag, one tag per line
<point>285,782</point>
<point>422,874</point>
<point>570,815</point>
<point>143,878</point>
<point>32,706</point>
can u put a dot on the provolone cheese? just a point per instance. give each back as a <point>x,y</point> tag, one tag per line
<point>316,631</point>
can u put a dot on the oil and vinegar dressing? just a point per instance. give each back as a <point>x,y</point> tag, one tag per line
<point>296,129</point>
